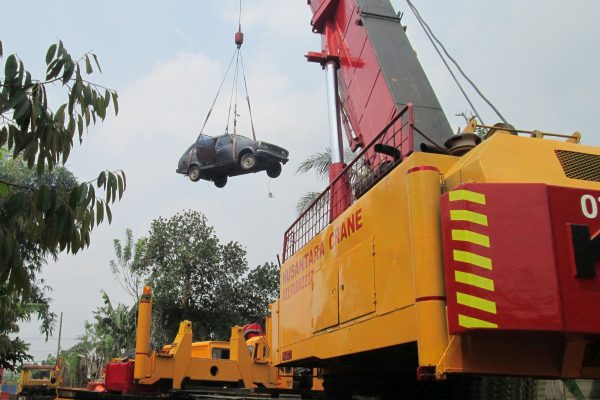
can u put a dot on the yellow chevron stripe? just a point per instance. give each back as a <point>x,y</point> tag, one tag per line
<point>472,258</point>
<point>470,322</point>
<point>476,302</point>
<point>467,195</point>
<point>464,235</point>
<point>469,216</point>
<point>474,280</point>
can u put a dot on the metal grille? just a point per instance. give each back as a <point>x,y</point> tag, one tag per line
<point>367,168</point>
<point>582,166</point>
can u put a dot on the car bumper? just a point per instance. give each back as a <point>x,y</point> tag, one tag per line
<point>269,155</point>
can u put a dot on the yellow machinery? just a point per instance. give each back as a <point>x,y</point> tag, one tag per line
<point>39,381</point>
<point>183,360</point>
<point>481,263</point>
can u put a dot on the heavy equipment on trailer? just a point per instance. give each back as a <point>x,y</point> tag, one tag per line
<point>39,382</point>
<point>241,367</point>
<point>434,256</point>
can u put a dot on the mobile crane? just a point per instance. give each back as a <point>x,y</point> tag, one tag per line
<point>432,255</point>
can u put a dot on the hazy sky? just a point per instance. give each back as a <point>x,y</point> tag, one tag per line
<point>536,60</point>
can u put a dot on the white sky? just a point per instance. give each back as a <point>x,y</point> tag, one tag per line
<point>537,60</point>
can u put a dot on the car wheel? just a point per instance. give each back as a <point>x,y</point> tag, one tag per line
<point>221,181</point>
<point>248,161</point>
<point>194,173</point>
<point>273,171</point>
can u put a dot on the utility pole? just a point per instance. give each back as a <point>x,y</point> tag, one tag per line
<point>59,335</point>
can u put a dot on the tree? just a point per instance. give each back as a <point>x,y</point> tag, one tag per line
<point>127,268</point>
<point>259,289</point>
<point>21,305</point>
<point>50,218</point>
<point>195,277</point>
<point>43,209</point>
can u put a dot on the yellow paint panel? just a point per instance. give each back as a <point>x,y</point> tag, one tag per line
<point>470,322</point>
<point>325,297</point>
<point>357,281</point>
<point>474,280</point>
<point>469,216</point>
<point>463,235</point>
<point>467,195</point>
<point>476,302</point>
<point>472,258</point>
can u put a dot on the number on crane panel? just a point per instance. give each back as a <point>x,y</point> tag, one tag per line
<point>589,206</point>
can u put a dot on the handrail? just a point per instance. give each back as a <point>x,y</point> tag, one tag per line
<point>366,169</point>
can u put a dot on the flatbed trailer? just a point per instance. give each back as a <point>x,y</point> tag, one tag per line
<point>201,392</point>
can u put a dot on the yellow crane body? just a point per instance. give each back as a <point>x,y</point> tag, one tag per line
<point>379,281</point>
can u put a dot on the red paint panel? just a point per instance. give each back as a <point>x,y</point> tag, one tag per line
<point>378,109</point>
<point>118,376</point>
<point>580,297</point>
<point>524,272</point>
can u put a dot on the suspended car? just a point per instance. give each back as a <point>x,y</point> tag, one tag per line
<point>217,158</point>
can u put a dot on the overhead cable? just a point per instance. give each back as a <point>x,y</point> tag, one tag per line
<point>433,38</point>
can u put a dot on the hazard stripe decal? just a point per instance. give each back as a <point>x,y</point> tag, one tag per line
<point>470,322</point>
<point>468,216</point>
<point>468,243</point>
<point>463,235</point>
<point>467,195</point>
<point>474,280</point>
<point>472,258</point>
<point>476,302</point>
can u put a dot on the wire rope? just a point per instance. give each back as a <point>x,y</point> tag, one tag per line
<point>433,38</point>
<point>218,91</point>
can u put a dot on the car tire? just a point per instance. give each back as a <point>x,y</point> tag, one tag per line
<point>221,181</point>
<point>247,161</point>
<point>273,171</point>
<point>194,173</point>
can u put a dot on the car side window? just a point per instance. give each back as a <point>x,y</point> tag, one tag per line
<point>204,140</point>
<point>224,141</point>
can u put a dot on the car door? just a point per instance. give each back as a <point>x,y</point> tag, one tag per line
<point>224,150</point>
<point>205,150</point>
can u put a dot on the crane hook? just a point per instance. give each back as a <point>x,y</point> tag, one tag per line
<point>239,38</point>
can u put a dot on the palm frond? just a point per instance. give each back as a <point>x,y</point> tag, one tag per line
<point>318,162</point>
<point>305,201</point>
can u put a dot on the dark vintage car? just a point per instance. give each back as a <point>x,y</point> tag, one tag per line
<point>216,158</point>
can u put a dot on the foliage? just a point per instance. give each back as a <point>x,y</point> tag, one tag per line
<point>18,307</point>
<point>319,163</point>
<point>21,305</point>
<point>111,334</point>
<point>126,269</point>
<point>113,330</point>
<point>195,277</point>
<point>259,289</point>
<point>51,218</point>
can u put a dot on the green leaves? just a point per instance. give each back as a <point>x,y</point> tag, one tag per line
<point>50,54</point>
<point>24,106</point>
<point>43,209</point>
<point>194,276</point>
<point>88,65</point>
<point>10,69</point>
